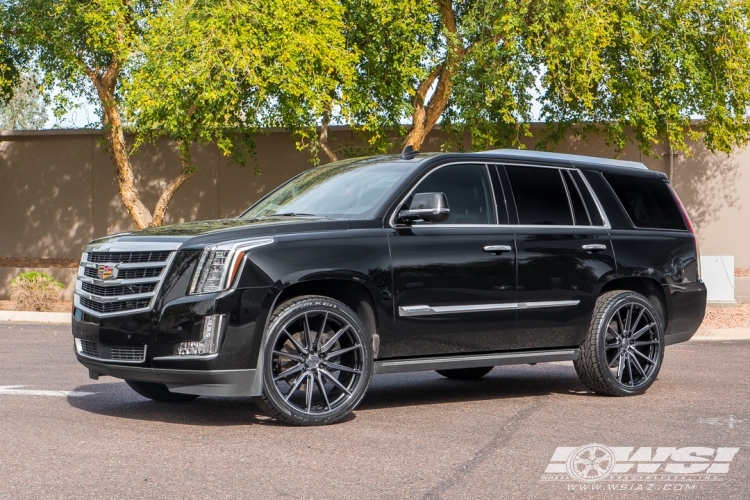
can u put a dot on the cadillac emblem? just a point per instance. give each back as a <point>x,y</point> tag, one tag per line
<point>106,272</point>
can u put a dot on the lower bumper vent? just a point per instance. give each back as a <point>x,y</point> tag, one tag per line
<point>105,352</point>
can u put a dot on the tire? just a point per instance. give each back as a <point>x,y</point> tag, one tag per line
<point>466,373</point>
<point>311,378</point>
<point>624,348</point>
<point>159,392</point>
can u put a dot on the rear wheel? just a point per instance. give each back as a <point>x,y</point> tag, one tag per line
<point>318,362</point>
<point>623,351</point>
<point>158,392</point>
<point>466,373</point>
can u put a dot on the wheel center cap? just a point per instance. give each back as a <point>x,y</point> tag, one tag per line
<point>313,361</point>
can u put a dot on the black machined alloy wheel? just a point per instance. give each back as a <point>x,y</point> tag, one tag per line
<point>318,362</point>
<point>623,351</point>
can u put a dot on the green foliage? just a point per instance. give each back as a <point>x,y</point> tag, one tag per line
<point>35,291</point>
<point>26,109</point>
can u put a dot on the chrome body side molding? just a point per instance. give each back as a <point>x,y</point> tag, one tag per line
<point>474,361</point>
<point>425,310</point>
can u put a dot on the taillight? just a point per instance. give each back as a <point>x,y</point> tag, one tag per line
<point>689,224</point>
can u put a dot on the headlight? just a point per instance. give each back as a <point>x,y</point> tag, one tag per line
<point>218,265</point>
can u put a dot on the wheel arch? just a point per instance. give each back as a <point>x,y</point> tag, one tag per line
<point>648,287</point>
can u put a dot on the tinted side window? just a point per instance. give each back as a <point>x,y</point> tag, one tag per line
<point>579,210</point>
<point>647,201</point>
<point>540,196</point>
<point>468,190</point>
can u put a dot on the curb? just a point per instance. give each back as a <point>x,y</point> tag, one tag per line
<point>34,317</point>
<point>715,334</point>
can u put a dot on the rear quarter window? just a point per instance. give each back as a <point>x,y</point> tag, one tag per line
<point>647,200</point>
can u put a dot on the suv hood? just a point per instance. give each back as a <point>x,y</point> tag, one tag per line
<point>194,235</point>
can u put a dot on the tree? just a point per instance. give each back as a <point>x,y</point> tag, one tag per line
<point>195,70</point>
<point>26,109</point>
<point>594,65</point>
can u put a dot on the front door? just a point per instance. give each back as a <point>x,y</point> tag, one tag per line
<point>454,282</point>
<point>564,255</point>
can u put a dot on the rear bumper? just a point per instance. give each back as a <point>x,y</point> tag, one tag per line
<point>686,309</point>
<point>199,382</point>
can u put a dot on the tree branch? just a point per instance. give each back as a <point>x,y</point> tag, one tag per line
<point>323,134</point>
<point>166,196</point>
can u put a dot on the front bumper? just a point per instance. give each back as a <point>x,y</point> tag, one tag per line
<point>231,372</point>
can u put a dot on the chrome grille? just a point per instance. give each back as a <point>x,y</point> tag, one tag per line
<point>127,274</point>
<point>128,257</point>
<point>108,352</point>
<point>119,281</point>
<point>111,291</point>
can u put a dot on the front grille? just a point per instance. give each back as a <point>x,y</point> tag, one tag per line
<point>113,291</point>
<point>137,274</point>
<point>113,307</point>
<point>127,274</point>
<point>123,353</point>
<point>127,257</point>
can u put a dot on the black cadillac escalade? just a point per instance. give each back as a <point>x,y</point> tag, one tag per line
<point>447,262</point>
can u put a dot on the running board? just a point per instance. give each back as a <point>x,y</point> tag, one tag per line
<point>474,361</point>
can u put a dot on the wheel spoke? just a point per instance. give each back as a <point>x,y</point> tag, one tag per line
<point>637,365</point>
<point>617,357</point>
<point>322,388</point>
<point>638,320</point>
<point>294,387</point>
<point>628,320</point>
<point>644,342</point>
<point>644,357</point>
<point>308,337</point>
<point>290,371</point>
<point>342,351</point>
<point>341,368</point>
<point>643,330</point>
<point>296,344</point>
<point>289,355</point>
<point>336,382</point>
<point>630,370</point>
<point>619,324</point>
<point>333,339</point>
<point>612,330</point>
<point>320,332</point>
<point>620,367</point>
<point>309,391</point>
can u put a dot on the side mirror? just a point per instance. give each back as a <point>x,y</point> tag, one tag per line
<point>430,207</point>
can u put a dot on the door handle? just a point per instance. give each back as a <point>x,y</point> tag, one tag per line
<point>594,248</point>
<point>497,248</point>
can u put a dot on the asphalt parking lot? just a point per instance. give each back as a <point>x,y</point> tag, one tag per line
<point>414,435</point>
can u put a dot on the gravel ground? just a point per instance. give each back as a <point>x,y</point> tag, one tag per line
<point>727,317</point>
<point>742,272</point>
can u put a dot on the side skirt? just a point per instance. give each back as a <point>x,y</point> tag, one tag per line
<point>474,361</point>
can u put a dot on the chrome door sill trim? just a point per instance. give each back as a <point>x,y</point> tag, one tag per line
<point>474,361</point>
<point>426,310</point>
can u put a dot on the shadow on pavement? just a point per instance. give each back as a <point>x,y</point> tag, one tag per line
<point>116,399</point>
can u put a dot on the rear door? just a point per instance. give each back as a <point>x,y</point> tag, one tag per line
<point>564,253</point>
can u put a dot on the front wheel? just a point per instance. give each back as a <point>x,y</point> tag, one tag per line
<point>318,362</point>
<point>158,392</point>
<point>624,348</point>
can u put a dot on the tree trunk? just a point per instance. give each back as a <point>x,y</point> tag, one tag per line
<point>323,136</point>
<point>115,136</point>
<point>172,187</point>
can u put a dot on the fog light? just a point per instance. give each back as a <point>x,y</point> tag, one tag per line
<point>213,329</point>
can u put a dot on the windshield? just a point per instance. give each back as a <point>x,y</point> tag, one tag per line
<point>344,188</point>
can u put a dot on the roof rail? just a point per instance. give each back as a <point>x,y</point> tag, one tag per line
<point>589,160</point>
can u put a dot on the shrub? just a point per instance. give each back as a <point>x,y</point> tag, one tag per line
<point>35,291</point>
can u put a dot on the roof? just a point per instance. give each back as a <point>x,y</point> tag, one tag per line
<point>576,159</point>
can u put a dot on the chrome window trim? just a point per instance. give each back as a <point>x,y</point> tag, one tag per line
<point>583,202</point>
<point>167,264</point>
<point>79,350</point>
<point>567,195</point>
<point>500,163</point>
<point>426,310</point>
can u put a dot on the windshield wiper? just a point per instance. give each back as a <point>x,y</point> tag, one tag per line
<point>291,214</point>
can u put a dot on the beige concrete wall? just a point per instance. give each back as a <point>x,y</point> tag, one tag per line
<point>58,189</point>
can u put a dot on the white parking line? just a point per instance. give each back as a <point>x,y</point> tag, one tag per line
<point>13,390</point>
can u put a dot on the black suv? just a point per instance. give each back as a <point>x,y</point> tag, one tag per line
<point>447,262</point>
